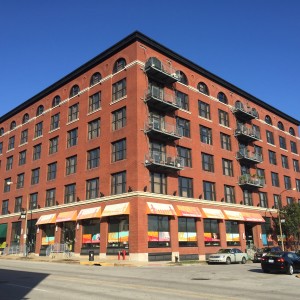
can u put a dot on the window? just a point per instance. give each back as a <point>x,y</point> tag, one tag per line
<point>277,202</point>
<point>202,87</point>
<point>158,183</point>
<point>263,200</point>
<point>1,131</point>
<point>74,91</point>
<point>118,150</point>
<point>182,100</point>
<point>25,118</point>
<point>282,142</point>
<point>22,158</point>
<point>292,131</point>
<point>5,207</point>
<point>261,174</point>
<point>222,98</point>
<point>119,118</point>
<point>275,179</point>
<point>247,197</point>
<point>20,180</point>
<point>39,110</point>
<point>285,161</point>
<point>207,162</point>
<point>56,101</point>
<point>71,165</point>
<point>182,77</point>
<point>119,90</point>
<point>1,147</point>
<point>223,118</point>
<point>94,129</point>
<point>296,165</point>
<point>256,131</point>
<point>204,110</point>
<point>92,188</point>
<point>209,190</point>
<point>38,129</point>
<point>187,233</point>
<point>158,231</point>
<point>183,127</point>
<point>9,163</point>
<point>33,200</point>
<point>211,232</point>
<point>185,187</point>
<point>96,77</point>
<point>72,138</point>
<point>206,135</point>
<point>289,200</point>
<point>24,137</point>
<point>294,147</point>
<point>7,184</point>
<point>287,182</point>
<point>227,167</point>
<point>50,197</point>
<point>70,193</point>
<point>94,102</point>
<point>118,183</point>
<point>229,194</point>
<point>225,141</point>
<point>280,125</point>
<point>37,151</point>
<point>268,120</point>
<point>119,65</point>
<point>53,145</point>
<point>93,158</point>
<point>232,233</point>
<point>18,204</point>
<point>258,152</point>
<point>52,169</point>
<point>73,112</point>
<point>298,185</point>
<point>272,158</point>
<point>270,137</point>
<point>11,143</point>
<point>54,121</point>
<point>185,155</point>
<point>13,125</point>
<point>35,176</point>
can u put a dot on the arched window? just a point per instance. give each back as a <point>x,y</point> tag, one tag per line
<point>238,104</point>
<point>280,125</point>
<point>202,87</point>
<point>268,120</point>
<point>292,131</point>
<point>154,62</point>
<point>96,77</point>
<point>25,118</point>
<point>119,65</point>
<point>74,90</point>
<point>13,125</point>
<point>40,110</point>
<point>222,97</point>
<point>55,101</point>
<point>182,77</point>
<point>1,131</point>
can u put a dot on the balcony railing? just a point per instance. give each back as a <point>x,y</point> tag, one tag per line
<point>246,156</point>
<point>162,130</point>
<point>244,113</point>
<point>157,98</point>
<point>160,72</point>
<point>160,161</point>
<point>243,133</point>
<point>249,181</point>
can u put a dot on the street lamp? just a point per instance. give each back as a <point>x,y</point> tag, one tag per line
<point>279,219</point>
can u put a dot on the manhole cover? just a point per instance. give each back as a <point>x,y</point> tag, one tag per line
<point>200,279</point>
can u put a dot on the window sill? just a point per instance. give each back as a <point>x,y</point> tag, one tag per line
<point>73,121</point>
<point>118,100</point>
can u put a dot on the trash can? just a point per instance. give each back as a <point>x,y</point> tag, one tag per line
<point>91,255</point>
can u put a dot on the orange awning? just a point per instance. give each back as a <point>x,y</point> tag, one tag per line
<point>89,213</point>
<point>160,209</point>
<point>116,209</point>
<point>46,219</point>
<point>67,216</point>
<point>253,217</point>
<point>233,215</point>
<point>188,211</point>
<point>212,213</point>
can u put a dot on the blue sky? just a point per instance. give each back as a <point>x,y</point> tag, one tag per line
<point>253,44</point>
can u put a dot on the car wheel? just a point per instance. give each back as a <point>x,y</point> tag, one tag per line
<point>290,270</point>
<point>243,260</point>
<point>228,261</point>
<point>266,271</point>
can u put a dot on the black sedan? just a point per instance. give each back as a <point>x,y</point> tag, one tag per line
<point>262,252</point>
<point>287,262</point>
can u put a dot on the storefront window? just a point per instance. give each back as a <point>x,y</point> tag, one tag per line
<point>232,233</point>
<point>118,233</point>
<point>91,234</point>
<point>187,235</point>
<point>48,235</point>
<point>3,232</point>
<point>68,235</point>
<point>158,231</point>
<point>266,232</point>
<point>211,232</point>
<point>15,234</point>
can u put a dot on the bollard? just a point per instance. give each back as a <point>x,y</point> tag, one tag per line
<point>118,255</point>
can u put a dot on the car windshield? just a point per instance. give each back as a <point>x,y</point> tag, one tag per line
<point>275,254</point>
<point>224,251</point>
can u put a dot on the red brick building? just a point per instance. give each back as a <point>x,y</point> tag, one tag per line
<point>142,150</point>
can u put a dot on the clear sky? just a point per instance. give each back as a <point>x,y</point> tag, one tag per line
<point>253,44</point>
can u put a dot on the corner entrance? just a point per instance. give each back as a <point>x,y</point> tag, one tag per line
<point>249,235</point>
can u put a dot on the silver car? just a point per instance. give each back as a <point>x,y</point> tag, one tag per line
<point>228,256</point>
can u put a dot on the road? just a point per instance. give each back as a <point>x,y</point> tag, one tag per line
<point>41,280</point>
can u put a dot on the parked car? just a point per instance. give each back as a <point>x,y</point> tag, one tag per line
<point>263,251</point>
<point>228,256</point>
<point>287,262</point>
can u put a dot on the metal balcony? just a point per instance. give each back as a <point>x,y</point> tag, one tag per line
<point>162,162</point>
<point>251,182</point>
<point>248,158</point>
<point>162,131</point>
<point>159,72</point>
<point>245,134</point>
<point>158,99</point>
<point>243,113</point>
